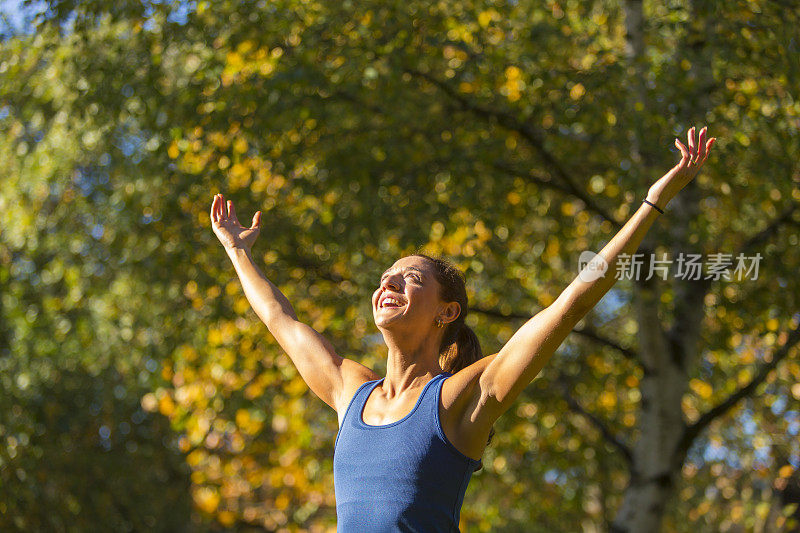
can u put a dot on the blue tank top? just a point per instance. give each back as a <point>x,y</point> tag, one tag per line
<point>404,476</point>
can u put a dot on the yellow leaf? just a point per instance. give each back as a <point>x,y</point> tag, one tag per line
<point>166,406</point>
<point>234,60</point>
<point>207,499</point>
<point>296,387</point>
<point>241,305</point>
<point>466,87</point>
<point>232,288</point>
<point>245,46</point>
<point>282,501</point>
<point>240,146</point>
<point>743,376</point>
<point>214,337</point>
<point>512,72</point>
<point>173,151</point>
<point>242,417</point>
<point>701,388</point>
<point>552,249</point>
<point>608,399</point>
<point>226,518</point>
<point>577,91</point>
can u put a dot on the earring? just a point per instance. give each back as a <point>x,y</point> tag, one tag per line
<point>439,323</point>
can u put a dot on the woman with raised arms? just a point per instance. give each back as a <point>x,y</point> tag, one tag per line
<point>409,442</point>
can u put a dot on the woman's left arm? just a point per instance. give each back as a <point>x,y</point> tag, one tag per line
<point>528,350</point>
<point>583,294</point>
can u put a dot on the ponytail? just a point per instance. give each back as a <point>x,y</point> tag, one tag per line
<point>460,348</point>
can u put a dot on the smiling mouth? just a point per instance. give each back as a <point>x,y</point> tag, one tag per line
<point>394,305</point>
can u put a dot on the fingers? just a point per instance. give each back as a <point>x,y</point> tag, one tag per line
<point>217,208</point>
<point>709,144</point>
<point>685,157</point>
<point>218,204</point>
<point>222,210</point>
<point>701,144</point>
<point>696,152</point>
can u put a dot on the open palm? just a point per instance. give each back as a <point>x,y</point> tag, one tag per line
<point>692,159</point>
<point>227,227</point>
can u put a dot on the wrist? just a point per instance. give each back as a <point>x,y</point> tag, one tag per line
<point>653,206</point>
<point>659,200</point>
<point>236,253</point>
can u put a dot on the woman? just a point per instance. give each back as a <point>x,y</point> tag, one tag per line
<point>408,442</point>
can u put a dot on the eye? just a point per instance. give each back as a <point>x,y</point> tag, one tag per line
<point>416,278</point>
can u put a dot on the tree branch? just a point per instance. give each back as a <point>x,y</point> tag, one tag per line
<point>594,419</point>
<point>584,331</point>
<point>530,176</point>
<point>592,334</point>
<point>769,231</point>
<point>532,136</point>
<point>693,430</point>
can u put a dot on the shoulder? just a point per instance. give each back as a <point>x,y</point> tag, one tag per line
<point>353,376</point>
<point>463,397</point>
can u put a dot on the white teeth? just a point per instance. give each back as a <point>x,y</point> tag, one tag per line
<point>390,301</point>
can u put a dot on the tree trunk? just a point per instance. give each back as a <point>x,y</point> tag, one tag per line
<point>661,424</point>
<point>665,354</point>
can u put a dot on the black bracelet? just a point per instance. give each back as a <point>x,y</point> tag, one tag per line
<point>654,205</point>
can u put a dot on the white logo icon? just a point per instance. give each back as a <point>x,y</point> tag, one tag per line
<point>592,266</point>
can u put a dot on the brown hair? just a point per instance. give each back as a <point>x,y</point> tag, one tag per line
<point>460,346</point>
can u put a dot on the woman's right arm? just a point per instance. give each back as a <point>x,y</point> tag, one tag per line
<point>331,377</point>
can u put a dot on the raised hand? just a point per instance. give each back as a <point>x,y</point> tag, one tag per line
<point>692,159</point>
<point>227,227</point>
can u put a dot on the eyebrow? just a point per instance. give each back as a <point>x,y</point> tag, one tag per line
<point>405,269</point>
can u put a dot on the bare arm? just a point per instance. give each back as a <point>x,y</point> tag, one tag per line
<point>528,350</point>
<point>327,374</point>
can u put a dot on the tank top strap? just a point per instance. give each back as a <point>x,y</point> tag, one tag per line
<point>432,400</point>
<point>356,405</point>
<point>429,402</point>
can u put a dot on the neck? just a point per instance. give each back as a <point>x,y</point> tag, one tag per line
<point>411,363</point>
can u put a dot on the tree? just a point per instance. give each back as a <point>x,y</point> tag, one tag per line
<point>509,135</point>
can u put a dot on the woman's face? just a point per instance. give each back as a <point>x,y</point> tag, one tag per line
<point>412,283</point>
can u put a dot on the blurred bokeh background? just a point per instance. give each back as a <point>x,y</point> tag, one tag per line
<point>140,392</point>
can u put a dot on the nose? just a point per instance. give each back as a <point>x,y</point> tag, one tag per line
<point>390,281</point>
